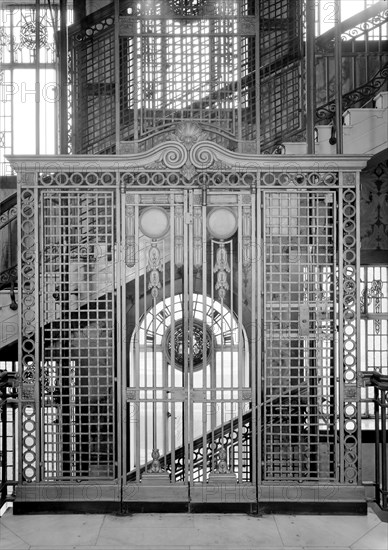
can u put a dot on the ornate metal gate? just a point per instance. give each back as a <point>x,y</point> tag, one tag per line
<point>188,327</point>
<point>189,319</point>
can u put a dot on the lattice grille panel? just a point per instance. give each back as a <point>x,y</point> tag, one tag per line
<point>187,69</point>
<point>248,87</point>
<point>175,61</point>
<point>94,91</point>
<point>127,90</point>
<point>299,386</point>
<point>280,103</point>
<point>280,30</point>
<point>248,7</point>
<point>77,377</point>
<point>280,61</point>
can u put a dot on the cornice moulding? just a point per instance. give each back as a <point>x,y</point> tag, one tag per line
<point>228,160</point>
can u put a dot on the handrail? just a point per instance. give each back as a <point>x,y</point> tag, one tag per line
<point>8,275</point>
<point>370,18</point>
<point>349,24</point>
<point>7,380</point>
<point>8,210</point>
<point>197,444</point>
<point>8,203</point>
<point>220,433</point>
<point>363,94</point>
<point>380,383</point>
<point>326,112</point>
<point>95,18</point>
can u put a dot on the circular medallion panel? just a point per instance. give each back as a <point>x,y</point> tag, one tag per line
<point>154,222</point>
<point>222,223</point>
<point>195,347</point>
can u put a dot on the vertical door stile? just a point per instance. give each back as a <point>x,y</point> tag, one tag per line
<point>240,363</point>
<point>135,414</point>
<point>185,290</point>
<point>335,373</point>
<point>173,381</point>
<point>164,377</point>
<point>219,376</point>
<point>144,379</point>
<point>120,336</point>
<point>340,353</point>
<point>254,356</point>
<point>213,409</point>
<point>263,311</point>
<point>233,393</point>
<point>205,408</point>
<point>358,329</point>
<point>39,384</point>
<point>188,337</point>
<point>154,378</point>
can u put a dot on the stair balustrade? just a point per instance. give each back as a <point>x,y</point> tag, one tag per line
<point>8,267</point>
<point>380,383</point>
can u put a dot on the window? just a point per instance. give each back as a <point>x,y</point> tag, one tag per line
<point>29,94</point>
<point>374,327</point>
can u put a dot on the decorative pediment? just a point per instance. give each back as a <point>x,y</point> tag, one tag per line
<point>188,133</point>
<point>187,151</point>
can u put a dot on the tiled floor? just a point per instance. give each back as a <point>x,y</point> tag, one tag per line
<point>192,532</point>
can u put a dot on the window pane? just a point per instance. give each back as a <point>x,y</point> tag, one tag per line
<point>24,116</point>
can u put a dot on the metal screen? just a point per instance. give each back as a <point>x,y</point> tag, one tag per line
<point>182,326</point>
<point>93,88</point>
<point>68,364</point>
<point>163,63</point>
<point>281,94</point>
<point>185,67</point>
<point>77,379</point>
<point>300,319</point>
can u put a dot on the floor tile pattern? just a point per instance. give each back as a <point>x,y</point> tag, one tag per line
<point>192,532</point>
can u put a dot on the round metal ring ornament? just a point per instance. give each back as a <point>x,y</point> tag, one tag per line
<point>154,222</point>
<point>222,223</point>
<point>194,348</point>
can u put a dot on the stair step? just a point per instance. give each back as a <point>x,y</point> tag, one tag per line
<point>364,131</point>
<point>381,100</point>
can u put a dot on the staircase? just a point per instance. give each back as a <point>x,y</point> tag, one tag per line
<point>365,131</point>
<point>365,74</point>
<point>226,435</point>
<point>8,274</point>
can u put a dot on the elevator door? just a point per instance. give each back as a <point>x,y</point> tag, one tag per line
<point>188,340</point>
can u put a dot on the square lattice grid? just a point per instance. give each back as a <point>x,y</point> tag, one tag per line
<point>299,371</point>
<point>77,378</point>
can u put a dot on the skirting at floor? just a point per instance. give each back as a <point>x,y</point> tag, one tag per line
<point>192,532</point>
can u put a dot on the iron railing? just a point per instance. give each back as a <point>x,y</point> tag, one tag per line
<point>8,267</point>
<point>365,70</point>
<point>226,436</point>
<point>380,384</point>
<point>8,447</point>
